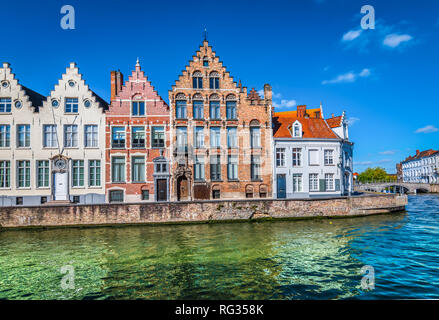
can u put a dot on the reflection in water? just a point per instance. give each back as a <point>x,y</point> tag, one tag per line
<point>316,259</point>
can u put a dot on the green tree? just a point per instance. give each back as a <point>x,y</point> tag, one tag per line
<point>373,174</point>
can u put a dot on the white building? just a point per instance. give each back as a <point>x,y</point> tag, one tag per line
<point>312,156</point>
<point>422,167</point>
<point>51,148</point>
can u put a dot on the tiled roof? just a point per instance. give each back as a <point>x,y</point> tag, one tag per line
<point>334,122</point>
<point>422,154</point>
<point>310,112</point>
<point>311,127</point>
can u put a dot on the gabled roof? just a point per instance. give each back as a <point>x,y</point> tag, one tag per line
<point>311,127</point>
<point>422,154</point>
<point>36,98</point>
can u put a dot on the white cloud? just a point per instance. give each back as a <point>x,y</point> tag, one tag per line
<point>388,152</point>
<point>352,120</point>
<point>348,77</point>
<point>285,104</point>
<point>363,163</point>
<point>351,35</point>
<point>427,129</point>
<point>393,40</point>
<point>275,95</point>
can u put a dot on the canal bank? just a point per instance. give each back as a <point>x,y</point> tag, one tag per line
<point>197,211</point>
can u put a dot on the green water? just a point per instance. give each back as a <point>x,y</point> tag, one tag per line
<point>317,259</point>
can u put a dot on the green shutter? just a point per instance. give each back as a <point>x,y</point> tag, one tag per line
<point>322,186</point>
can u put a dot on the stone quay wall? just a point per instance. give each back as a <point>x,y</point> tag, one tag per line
<point>197,211</point>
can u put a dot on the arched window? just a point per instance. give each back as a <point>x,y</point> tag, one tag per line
<point>180,106</point>
<point>249,191</point>
<point>205,62</point>
<point>214,80</point>
<point>297,129</point>
<point>255,134</point>
<point>197,80</point>
<point>231,113</point>
<point>198,106</point>
<point>216,192</point>
<point>215,111</point>
<point>263,191</point>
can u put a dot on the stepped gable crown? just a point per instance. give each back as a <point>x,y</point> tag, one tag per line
<point>10,84</point>
<point>205,61</point>
<point>312,127</point>
<point>72,80</point>
<point>138,86</point>
<point>254,95</point>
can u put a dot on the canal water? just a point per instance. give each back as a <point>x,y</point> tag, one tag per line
<point>309,259</point>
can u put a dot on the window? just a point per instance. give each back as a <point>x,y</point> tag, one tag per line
<point>297,182</point>
<point>216,194</point>
<point>232,137</point>
<point>94,173</point>
<point>71,105</point>
<point>198,109</point>
<point>199,168</point>
<point>23,136</point>
<point>43,173</point>
<point>76,199</point>
<point>5,174</point>
<point>313,182</point>
<point>43,200</point>
<point>50,139</point>
<point>231,110</point>
<point>182,138</point>
<point>138,108</point>
<point>91,135</point>
<point>255,137</point>
<point>5,105</point>
<point>297,130</point>
<point>214,80</point>
<point>280,157</point>
<point>199,137</point>
<point>215,137</point>
<point>138,137</point>
<point>255,167</point>
<point>5,135</point>
<point>180,109</point>
<point>232,167</point>
<point>297,157</point>
<point>78,173</point>
<point>329,182</point>
<point>329,157</point>
<point>215,168</point>
<point>23,174</point>
<point>313,157</point>
<point>138,169</point>
<point>118,169</point>
<point>197,80</point>
<point>215,113</point>
<point>118,137</point>
<point>205,62</point>
<point>116,196</point>
<point>145,194</point>
<point>19,201</point>
<point>161,167</point>
<point>70,135</point>
<point>158,137</point>
<point>249,192</point>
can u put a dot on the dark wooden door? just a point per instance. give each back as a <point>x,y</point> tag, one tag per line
<point>182,188</point>
<point>162,190</point>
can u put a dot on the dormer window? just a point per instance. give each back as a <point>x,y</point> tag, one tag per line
<point>297,130</point>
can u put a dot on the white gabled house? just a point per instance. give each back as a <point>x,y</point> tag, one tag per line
<point>51,148</point>
<point>312,156</point>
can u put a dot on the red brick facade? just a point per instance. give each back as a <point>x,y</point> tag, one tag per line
<point>223,109</point>
<point>136,111</point>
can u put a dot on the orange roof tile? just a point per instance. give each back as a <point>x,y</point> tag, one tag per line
<point>310,112</point>
<point>422,154</point>
<point>311,127</point>
<point>334,122</point>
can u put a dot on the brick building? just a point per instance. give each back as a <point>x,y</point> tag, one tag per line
<point>221,134</point>
<point>137,141</point>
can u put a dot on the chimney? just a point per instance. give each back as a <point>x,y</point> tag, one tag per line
<point>267,92</point>
<point>116,84</point>
<point>301,110</point>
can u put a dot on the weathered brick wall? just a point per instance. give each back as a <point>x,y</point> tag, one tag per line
<point>201,211</point>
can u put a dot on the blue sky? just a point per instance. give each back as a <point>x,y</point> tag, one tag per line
<point>309,51</point>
